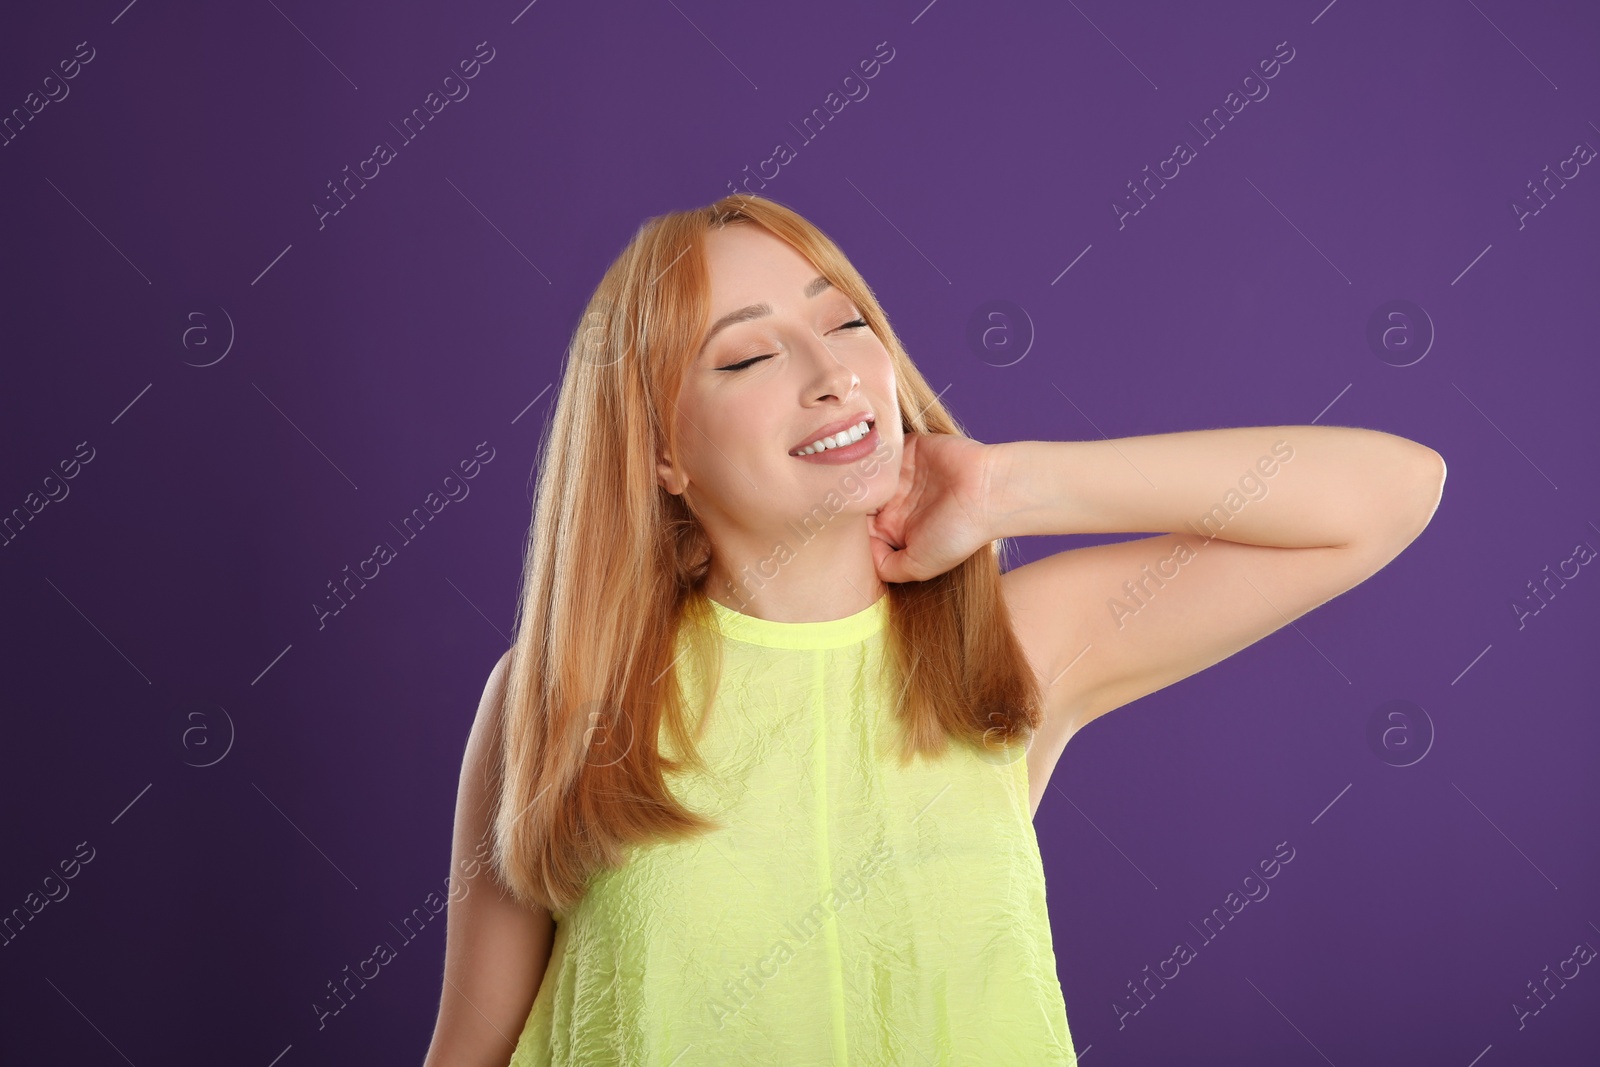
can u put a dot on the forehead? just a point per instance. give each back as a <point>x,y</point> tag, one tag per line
<point>747,265</point>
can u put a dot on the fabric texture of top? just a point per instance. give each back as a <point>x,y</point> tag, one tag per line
<point>851,911</point>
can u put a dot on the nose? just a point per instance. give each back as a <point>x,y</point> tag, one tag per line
<point>831,377</point>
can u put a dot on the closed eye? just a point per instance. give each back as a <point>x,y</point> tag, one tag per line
<point>853,324</point>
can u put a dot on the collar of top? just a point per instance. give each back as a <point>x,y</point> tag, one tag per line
<point>832,633</point>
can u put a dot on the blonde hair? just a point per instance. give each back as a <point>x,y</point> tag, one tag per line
<point>615,564</point>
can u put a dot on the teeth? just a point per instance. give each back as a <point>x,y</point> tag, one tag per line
<point>838,440</point>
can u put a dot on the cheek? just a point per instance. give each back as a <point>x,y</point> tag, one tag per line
<point>723,449</point>
<point>881,373</point>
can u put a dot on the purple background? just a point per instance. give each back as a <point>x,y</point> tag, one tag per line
<point>160,616</point>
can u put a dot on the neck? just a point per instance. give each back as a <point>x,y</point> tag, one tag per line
<point>831,576</point>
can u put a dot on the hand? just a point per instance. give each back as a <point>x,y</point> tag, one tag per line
<point>940,512</point>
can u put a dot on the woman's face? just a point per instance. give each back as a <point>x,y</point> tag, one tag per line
<point>786,359</point>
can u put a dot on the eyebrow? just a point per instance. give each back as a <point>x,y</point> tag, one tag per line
<point>758,311</point>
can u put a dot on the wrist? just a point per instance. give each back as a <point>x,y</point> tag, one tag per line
<point>1008,498</point>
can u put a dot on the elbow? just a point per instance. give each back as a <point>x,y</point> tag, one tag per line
<point>1432,484</point>
<point>1403,500</point>
<point>1420,492</point>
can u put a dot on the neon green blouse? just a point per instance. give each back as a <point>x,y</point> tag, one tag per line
<point>853,911</point>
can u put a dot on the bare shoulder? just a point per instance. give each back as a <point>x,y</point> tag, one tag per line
<point>496,949</point>
<point>492,702</point>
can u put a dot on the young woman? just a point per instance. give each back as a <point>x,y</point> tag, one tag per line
<point>755,782</point>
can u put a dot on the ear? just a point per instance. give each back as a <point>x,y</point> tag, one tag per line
<point>668,476</point>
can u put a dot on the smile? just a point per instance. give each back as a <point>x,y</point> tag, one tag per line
<point>842,439</point>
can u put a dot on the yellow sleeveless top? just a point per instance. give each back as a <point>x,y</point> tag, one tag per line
<point>852,911</point>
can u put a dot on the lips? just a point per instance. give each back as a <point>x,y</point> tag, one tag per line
<point>833,428</point>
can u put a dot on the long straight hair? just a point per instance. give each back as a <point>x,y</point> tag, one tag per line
<point>615,565</point>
